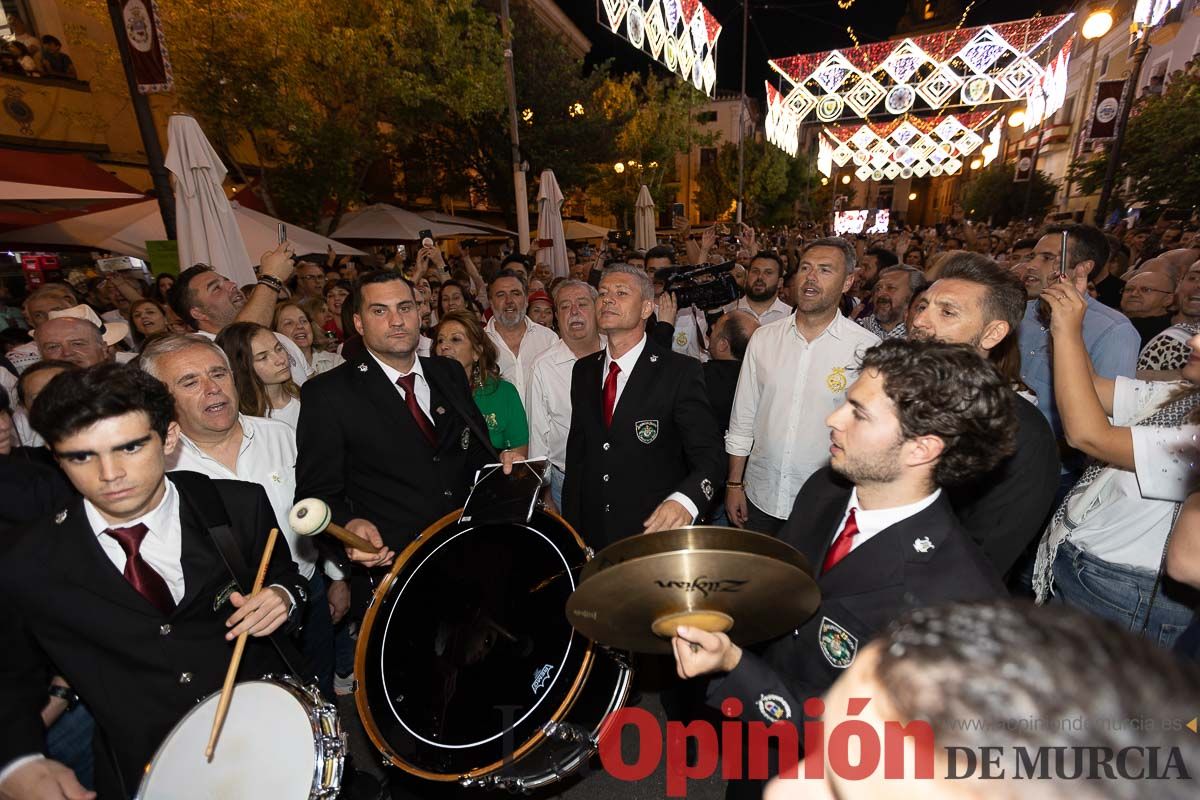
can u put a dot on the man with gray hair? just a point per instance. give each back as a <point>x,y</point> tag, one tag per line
<point>518,339</point>
<point>644,451</point>
<point>894,290</point>
<point>218,441</point>
<point>794,376</point>
<point>548,403</point>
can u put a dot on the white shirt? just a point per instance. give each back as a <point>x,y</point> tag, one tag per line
<point>517,369</point>
<point>691,332</point>
<point>289,414</point>
<point>296,362</point>
<point>626,363</point>
<point>24,355</point>
<point>162,548</point>
<point>1134,511</point>
<point>549,403</point>
<point>26,435</point>
<point>777,311</point>
<point>420,385</point>
<point>267,456</point>
<point>323,361</point>
<point>872,522</point>
<point>786,388</point>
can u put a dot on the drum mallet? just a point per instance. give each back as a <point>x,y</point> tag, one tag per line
<point>238,648</point>
<point>310,517</point>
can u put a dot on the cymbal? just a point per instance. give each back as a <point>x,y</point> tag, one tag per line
<point>635,592</point>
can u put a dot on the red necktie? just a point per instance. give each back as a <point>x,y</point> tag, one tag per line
<point>610,393</point>
<point>148,583</point>
<point>408,384</point>
<point>842,544</point>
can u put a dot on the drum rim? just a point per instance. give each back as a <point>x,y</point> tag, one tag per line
<point>293,686</point>
<point>364,637</point>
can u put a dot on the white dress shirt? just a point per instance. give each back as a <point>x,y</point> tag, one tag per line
<point>690,337</point>
<point>296,362</point>
<point>626,363</point>
<point>872,522</point>
<point>289,414</point>
<point>548,404</point>
<point>777,311</point>
<point>267,456</point>
<point>786,389</point>
<point>162,548</point>
<point>517,369</point>
<point>323,361</point>
<point>420,385</point>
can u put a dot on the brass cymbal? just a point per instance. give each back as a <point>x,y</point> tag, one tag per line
<point>634,593</point>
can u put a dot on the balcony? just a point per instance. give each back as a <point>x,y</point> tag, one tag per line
<point>50,113</point>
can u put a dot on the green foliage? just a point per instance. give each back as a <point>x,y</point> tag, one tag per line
<point>778,188</point>
<point>1160,154</point>
<point>993,195</point>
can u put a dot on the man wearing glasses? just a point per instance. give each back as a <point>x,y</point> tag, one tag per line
<point>310,280</point>
<point>1146,300</point>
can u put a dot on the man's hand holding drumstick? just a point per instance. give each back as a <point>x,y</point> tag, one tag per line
<point>259,614</point>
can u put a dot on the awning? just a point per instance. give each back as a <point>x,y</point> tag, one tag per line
<point>34,185</point>
<point>386,223</point>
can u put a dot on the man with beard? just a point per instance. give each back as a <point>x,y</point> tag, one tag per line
<point>549,402</point>
<point>518,339</point>
<point>795,373</point>
<point>763,279</point>
<point>894,290</point>
<point>875,524</point>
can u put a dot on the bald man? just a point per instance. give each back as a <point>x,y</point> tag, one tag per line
<point>37,308</point>
<point>1146,300</point>
<point>74,340</point>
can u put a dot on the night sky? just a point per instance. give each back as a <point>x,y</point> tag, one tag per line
<point>783,28</point>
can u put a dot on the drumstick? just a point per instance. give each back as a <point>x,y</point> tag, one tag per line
<point>238,647</point>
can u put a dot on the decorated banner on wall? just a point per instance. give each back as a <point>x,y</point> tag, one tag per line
<point>910,146</point>
<point>1024,165</point>
<point>968,67</point>
<point>679,34</point>
<point>147,46</point>
<point>1106,107</point>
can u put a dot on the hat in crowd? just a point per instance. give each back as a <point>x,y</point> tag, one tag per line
<point>540,294</point>
<point>111,332</point>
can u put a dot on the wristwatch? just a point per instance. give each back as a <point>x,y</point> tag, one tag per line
<point>64,693</point>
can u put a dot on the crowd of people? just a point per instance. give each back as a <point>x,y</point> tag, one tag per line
<point>935,415</point>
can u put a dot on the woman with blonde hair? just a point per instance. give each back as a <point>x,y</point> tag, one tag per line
<point>261,372</point>
<point>460,336</point>
<point>292,322</point>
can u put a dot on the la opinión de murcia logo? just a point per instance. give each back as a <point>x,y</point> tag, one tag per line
<point>833,748</point>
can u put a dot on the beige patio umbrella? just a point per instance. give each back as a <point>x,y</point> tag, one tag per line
<point>644,236</point>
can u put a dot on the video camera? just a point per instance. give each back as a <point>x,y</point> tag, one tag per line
<point>708,287</point>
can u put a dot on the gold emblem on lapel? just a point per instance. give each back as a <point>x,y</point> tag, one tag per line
<point>836,380</point>
<point>223,596</point>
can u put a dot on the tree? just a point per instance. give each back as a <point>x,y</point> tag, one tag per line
<point>318,93</point>
<point>1160,154</point>
<point>778,188</point>
<point>994,195</point>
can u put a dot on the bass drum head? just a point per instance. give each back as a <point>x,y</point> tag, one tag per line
<point>467,651</point>
<point>247,764</point>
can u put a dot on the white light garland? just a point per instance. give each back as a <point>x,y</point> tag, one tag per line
<point>905,147</point>
<point>680,34</point>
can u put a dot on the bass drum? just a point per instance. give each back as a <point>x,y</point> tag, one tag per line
<point>468,669</point>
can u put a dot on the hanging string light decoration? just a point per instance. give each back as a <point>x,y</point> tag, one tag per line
<point>908,146</point>
<point>964,67</point>
<point>680,34</point>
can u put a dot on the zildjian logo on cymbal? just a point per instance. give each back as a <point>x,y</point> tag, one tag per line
<point>703,585</point>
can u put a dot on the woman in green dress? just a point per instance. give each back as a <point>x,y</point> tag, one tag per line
<point>460,336</point>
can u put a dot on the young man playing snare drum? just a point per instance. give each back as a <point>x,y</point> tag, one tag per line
<point>124,591</point>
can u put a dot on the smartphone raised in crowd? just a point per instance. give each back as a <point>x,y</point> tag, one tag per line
<point>281,232</point>
<point>1062,258</point>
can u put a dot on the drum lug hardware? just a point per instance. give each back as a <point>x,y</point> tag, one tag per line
<point>566,732</point>
<point>621,657</point>
<point>588,553</point>
<point>398,699</point>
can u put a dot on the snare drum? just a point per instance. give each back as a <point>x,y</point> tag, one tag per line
<point>281,740</point>
<point>467,667</point>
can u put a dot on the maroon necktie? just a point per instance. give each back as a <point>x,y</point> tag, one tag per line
<point>141,576</point>
<point>407,383</point>
<point>842,544</point>
<point>610,393</point>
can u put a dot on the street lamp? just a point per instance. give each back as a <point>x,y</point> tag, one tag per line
<point>824,181</point>
<point>1128,95</point>
<point>977,163</point>
<point>1098,23</point>
<point>1017,118</point>
<point>618,167</point>
<point>912,195</point>
<point>845,179</point>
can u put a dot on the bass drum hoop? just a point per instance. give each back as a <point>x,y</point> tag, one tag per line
<point>360,664</point>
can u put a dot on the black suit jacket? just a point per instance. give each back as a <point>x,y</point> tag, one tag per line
<point>924,560</point>
<point>663,439</point>
<point>362,453</point>
<point>65,604</point>
<point>720,378</point>
<point>1005,510</point>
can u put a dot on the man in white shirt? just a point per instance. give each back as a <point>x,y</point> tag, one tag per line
<point>207,301</point>
<point>794,375</point>
<point>518,339</point>
<point>215,440</point>
<point>763,279</point>
<point>549,401</point>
